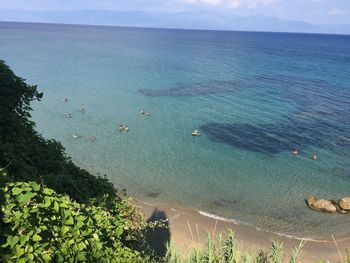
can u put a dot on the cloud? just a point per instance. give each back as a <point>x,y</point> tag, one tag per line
<point>208,2</point>
<point>255,3</point>
<point>212,2</point>
<point>234,4</point>
<point>188,1</point>
<point>337,12</point>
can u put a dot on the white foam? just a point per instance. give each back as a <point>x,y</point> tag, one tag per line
<point>203,213</point>
<point>221,218</point>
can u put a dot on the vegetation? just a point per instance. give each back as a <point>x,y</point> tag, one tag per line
<point>219,250</point>
<point>45,226</point>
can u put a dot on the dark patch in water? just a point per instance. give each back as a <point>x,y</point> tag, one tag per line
<point>343,143</point>
<point>273,138</point>
<point>195,89</point>
<point>153,194</point>
<point>321,119</point>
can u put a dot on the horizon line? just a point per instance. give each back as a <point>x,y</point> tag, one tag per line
<point>173,28</point>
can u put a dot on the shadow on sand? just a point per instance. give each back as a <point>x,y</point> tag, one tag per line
<point>158,237</point>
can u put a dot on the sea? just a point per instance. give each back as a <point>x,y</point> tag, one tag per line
<point>253,97</point>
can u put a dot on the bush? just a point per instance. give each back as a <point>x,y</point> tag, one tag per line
<point>45,226</point>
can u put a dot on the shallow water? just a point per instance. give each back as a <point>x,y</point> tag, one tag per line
<point>253,96</point>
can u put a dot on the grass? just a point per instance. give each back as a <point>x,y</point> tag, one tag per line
<point>227,250</point>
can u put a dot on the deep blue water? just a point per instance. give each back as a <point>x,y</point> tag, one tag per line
<point>253,97</point>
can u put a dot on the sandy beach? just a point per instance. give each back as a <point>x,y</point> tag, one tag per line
<point>189,228</point>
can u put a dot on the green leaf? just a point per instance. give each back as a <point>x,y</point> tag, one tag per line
<point>119,231</point>
<point>31,257</point>
<point>35,186</point>
<point>67,213</point>
<point>25,198</point>
<point>18,215</point>
<point>81,257</point>
<point>80,224</point>
<point>81,246</point>
<point>70,221</point>
<point>46,257</point>
<point>47,201</point>
<point>98,217</point>
<point>22,260</point>
<point>64,230</point>
<point>56,206</point>
<point>16,191</point>
<point>19,251</point>
<point>36,238</point>
<point>13,240</point>
<point>48,191</point>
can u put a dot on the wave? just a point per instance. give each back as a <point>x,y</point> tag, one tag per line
<point>221,218</point>
<point>236,222</point>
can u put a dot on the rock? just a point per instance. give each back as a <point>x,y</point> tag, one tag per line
<point>344,203</point>
<point>322,205</point>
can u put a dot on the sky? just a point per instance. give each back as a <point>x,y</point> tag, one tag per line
<point>309,11</point>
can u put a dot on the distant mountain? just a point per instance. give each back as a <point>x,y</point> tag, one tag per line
<point>185,20</point>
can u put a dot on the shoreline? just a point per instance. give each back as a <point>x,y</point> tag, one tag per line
<point>188,228</point>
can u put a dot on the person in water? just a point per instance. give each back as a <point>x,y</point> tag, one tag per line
<point>65,99</point>
<point>142,112</point>
<point>295,151</point>
<point>121,127</point>
<point>69,115</point>
<point>126,128</point>
<point>314,157</point>
<point>82,110</point>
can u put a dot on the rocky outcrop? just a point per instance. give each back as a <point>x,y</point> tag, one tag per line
<point>344,203</point>
<point>341,206</point>
<point>322,205</point>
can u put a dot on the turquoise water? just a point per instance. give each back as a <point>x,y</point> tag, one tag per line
<point>253,97</point>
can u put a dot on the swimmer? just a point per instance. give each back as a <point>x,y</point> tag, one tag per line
<point>142,112</point>
<point>121,127</point>
<point>148,114</point>
<point>65,99</point>
<point>295,151</point>
<point>82,110</point>
<point>69,115</point>
<point>195,133</point>
<point>314,157</point>
<point>126,128</point>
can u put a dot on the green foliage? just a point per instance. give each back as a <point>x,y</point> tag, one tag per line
<point>172,255</point>
<point>45,226</point>
<point>276,252</point>
<point>296,253</point>
<point>219,250</point>
<point>261,257</point>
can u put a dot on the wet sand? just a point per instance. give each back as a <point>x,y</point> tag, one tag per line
<point>188,228</point>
